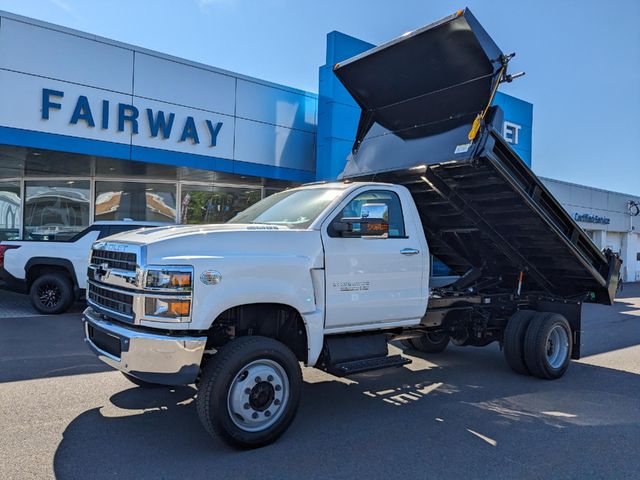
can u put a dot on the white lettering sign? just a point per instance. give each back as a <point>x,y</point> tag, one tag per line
<point>511,132</point>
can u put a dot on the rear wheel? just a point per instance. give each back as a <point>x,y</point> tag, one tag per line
<point>51,293</point>
<point>513,340</point>
<point>547,346</point>
<point>249,392</point>
<point>430,342</point>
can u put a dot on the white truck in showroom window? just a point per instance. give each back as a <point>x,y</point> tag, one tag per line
<point>326,274</point>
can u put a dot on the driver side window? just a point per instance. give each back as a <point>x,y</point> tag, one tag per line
<point>390,199</point>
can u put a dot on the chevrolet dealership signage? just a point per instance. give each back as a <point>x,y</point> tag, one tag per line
<point>130,118</point>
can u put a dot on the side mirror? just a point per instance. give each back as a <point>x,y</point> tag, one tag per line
<point>373,222</point>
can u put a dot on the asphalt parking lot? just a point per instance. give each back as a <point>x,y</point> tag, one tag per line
<point>462,413</point>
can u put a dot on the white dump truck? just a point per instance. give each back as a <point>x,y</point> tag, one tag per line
<point>326,274</point>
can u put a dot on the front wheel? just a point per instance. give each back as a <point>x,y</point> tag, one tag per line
<point>51,293</point>
<point>249,392</point>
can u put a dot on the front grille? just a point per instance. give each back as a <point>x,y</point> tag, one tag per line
<point>113,300</point>
<point>119,260</point>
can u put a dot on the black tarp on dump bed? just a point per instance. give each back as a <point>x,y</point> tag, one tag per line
<point>480,205</point>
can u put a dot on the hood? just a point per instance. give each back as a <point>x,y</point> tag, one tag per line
<point>151,235</point>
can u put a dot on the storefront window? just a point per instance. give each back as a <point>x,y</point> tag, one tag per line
<point>111,167</point>
<point>12,160</point>
<point>270,191</point>
<point>56,210</point>
<point>152,202</point>
<point>215,204</point>
<point>10,214</point>
<point>43,163</point>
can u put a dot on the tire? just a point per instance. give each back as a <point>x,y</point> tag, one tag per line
<point>513,340</point>
<point>406,343</point>
<point>236,372</point>
<point>51,293</point>
<point>430,342</point>
<point>142,383</point>
<point>547,346</point>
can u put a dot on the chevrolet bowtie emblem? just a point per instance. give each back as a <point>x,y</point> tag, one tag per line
<point>103,268</point>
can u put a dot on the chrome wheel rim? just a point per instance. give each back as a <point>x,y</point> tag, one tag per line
<point>557,346</point>
<point>258,395</point>
<point>49,295</point>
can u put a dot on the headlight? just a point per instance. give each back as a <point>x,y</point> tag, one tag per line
<point>169,278</point>
<point>170,309</point>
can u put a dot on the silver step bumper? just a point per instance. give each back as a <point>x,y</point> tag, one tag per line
<point>154,358</point>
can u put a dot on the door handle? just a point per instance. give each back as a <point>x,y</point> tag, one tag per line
<point>409,251</point>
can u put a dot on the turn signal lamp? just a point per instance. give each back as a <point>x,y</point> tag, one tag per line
<point>167,309</point>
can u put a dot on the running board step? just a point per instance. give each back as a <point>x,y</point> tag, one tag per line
<point>367,364</point>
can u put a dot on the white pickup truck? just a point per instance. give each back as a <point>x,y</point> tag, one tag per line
<point>54,272</point>
<point>326,274</point>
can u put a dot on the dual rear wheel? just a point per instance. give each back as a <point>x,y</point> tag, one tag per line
<point>538,344</point>
<point>535,343</point>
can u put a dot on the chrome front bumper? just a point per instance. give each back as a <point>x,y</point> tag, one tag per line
<point>154,358</point>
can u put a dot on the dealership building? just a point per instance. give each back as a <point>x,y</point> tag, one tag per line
<point>94,129</point>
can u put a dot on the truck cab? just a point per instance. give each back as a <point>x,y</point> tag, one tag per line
<point>296,268</point>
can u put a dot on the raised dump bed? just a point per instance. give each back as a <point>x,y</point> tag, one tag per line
<point>426,123</point>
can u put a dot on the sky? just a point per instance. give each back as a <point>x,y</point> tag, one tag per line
<point>581,58</point>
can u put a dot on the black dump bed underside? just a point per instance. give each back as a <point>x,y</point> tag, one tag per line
<point>481,206</point>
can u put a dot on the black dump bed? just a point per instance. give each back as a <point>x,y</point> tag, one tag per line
<point>481,207</point>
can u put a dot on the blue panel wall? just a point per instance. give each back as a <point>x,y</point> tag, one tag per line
<point>338,113</point>
<point>518,116</point>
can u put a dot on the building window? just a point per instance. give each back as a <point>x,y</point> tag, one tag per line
<point>215,204</point>
<point>55,210</point>
<point>153,202</point>
<point>10,211</point>
<point>270,191</point>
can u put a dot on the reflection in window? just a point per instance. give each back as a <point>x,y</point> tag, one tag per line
<point>152,202</point>
<point>215,205</point>
<point>390,199</point>
<point>10,211</point>
<point>56,210</point>
<point>291,208</point>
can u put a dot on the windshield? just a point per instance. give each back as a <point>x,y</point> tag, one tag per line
<point>292,208</point>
